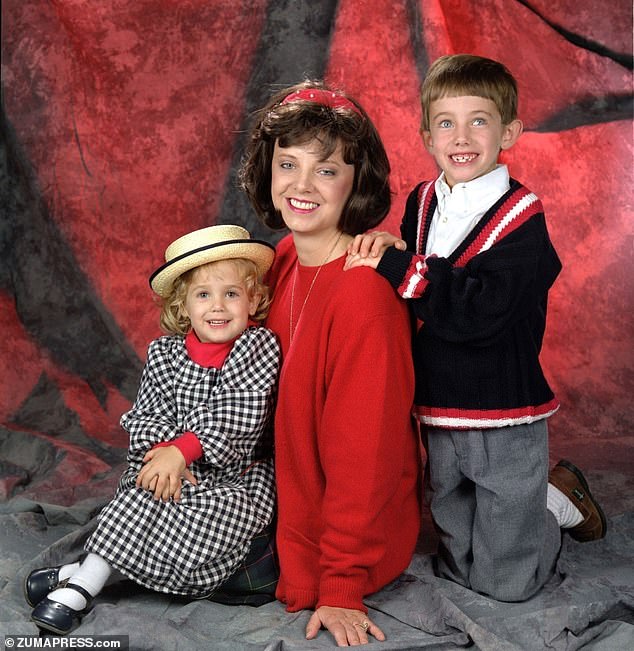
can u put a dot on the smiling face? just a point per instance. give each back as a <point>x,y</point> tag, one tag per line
<point>466,136</point>
<point>310,192</point>
<point>218,303</point>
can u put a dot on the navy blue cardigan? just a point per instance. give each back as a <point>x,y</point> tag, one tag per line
<point>482,312</point>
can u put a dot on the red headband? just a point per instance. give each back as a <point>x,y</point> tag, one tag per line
<point>323,97</point>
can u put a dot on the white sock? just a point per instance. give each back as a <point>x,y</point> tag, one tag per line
<point>66,571</point>
<point>91,576</point>
<point>565,512</point>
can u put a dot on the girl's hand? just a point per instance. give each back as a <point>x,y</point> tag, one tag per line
<point>163,472</point>
<point>367,250</point>
<point>349,627</point>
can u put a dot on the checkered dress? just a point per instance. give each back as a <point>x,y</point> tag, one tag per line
<point>191,547</point>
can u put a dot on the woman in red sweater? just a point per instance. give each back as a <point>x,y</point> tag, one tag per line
<point>347,463</point>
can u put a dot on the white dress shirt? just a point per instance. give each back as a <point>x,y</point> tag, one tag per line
<point>460,208</point>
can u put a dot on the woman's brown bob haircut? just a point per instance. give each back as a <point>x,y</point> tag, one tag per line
<point>299,122</point>
<point>467,74</point>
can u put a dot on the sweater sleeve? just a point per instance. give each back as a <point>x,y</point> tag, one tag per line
<point>496,289</point>
<point>405,271</point>
<point>367,438</point>
<point>477,302</point>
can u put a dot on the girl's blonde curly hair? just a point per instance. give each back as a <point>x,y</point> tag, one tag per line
<point>173,319</point>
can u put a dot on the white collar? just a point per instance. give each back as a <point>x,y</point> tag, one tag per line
<point>479,190</point>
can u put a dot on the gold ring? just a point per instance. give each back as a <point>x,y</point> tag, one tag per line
<point>365,624</point>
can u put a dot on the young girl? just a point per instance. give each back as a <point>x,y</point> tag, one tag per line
<point>199,484</point>
<point>346,452</point>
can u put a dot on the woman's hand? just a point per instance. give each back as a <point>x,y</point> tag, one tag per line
<point>349,627</point>
<point>163,472</point>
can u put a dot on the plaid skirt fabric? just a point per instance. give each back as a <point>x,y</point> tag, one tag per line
<point>191,547</point>
<point>255,580</point>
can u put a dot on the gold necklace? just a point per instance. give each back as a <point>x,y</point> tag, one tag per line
<point>292,324</point>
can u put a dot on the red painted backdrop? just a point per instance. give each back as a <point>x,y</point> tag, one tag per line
<point>123,124</point>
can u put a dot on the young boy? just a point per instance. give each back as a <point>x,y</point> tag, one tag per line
<point>476,263</point>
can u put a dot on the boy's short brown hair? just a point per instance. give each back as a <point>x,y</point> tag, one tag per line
<point>468,74</point>
<point>297,123</point>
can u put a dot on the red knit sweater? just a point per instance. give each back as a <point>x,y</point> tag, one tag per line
<point>346,453</point>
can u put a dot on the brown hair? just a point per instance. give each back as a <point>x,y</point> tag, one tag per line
<point>173,319</point>
<point>468,74</point>
<point>299,122</point>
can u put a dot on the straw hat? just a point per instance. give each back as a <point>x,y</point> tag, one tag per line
<point>208,245</point>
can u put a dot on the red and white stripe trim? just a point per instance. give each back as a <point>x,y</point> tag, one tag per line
<point>523,204</point>
<point>446,418</point>
<point>515,211</point>
<point>424,199</point>
<point>414,283</point>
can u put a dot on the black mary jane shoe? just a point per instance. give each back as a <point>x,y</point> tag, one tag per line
<point>58,618</point>
<point>39,583</point>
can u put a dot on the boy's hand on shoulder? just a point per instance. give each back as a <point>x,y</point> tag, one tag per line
<point>162,473</point>
<point>366,250</point>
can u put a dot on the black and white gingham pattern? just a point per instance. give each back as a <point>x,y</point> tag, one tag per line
<point>193,546</point>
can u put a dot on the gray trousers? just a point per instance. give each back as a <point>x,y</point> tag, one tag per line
<point>487,493</point>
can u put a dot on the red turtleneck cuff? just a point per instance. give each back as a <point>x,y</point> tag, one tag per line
<point>188,444</point>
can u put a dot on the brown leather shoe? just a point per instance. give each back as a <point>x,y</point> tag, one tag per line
<point>571,482</point>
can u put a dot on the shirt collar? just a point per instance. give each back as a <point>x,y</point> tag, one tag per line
<point>208,355</point>
<point>478,191</point>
